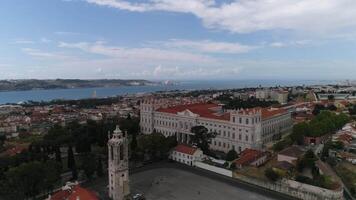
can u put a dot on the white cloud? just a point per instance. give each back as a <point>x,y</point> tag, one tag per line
<point>144,54</point>
<point>298,43</point>
<point>187,72</point>
<point>156,61</point>
<point>64,33</point>
<point>277,44</point>
<point>244,16</point>
<point>45,40</point>
<point>23,41</point>
<point>208,46</point>
<point>36,53</point>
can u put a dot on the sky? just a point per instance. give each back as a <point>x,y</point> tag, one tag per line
<point>178,39</point>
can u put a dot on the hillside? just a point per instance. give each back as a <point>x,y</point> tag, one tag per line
<point>34,84</point>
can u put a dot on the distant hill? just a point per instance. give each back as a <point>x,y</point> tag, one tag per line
<point>34,84</point>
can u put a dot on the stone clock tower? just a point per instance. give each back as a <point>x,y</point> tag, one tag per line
<point>118,165</point>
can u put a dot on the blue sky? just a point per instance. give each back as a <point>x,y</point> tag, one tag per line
<point>178,39</point>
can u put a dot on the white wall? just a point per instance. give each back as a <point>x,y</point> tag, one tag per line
<point>295,189</point>
<point>286,158</point>
<point>212,168</point>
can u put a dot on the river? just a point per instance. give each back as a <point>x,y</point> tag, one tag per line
<point>81,93</point>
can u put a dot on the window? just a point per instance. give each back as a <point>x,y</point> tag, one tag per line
<point>246,121</point>
<point>246,138</point>
<point>112,153</point>
<point>121,152</point>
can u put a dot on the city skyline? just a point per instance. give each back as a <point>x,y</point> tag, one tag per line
<point>162,39</point>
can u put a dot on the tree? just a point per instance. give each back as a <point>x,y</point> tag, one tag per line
<point>352,110</point>
<point>282,144</point>
<point>29,179</point>
<point>2,140</point>
<point>71,163</point>
<point>237,103</point>
<point>133,144</point>
<point>89,164</point>
<point>155,145</point>
<point>338,145</point>
<point>99,168</point>
<point>26,179</point>
<point>325,152</point>
<point>331,97</point>
<point>58,154</point>
<point>231,155</point>
<point>271,174</point>
<point>131,125</point>
<point>53,174</point>
<point>332,107</point>
<point>318,108</point>
<point>309,158</point>
<point>171,141</point>
<point>299,131</point>
<point>202,138</point>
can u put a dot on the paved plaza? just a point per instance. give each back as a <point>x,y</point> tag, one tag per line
<point>172,181</point>
<point>177,184</point>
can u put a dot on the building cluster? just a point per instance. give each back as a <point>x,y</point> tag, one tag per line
<point>16,120</point>
<point>236,129</point>
<point>281,96</point>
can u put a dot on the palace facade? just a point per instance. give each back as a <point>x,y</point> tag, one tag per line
<point>236,129</point>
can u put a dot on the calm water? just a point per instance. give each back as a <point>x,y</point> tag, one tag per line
<point>47,95</point>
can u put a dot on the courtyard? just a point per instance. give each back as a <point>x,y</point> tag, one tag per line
<point>177,184</point>
<point>173,181</point>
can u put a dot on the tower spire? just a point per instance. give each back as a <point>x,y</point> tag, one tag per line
<point>118,165</point>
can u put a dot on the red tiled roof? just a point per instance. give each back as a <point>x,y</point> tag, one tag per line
<point>202,109</point>
<point>248,156</point>
<point>73,194</point>
<point>15,150</point>
<point>185,149</point>
<point>345,137</point>
<point>268,112</point>
<point>345,103</point>
<point>208,110</point>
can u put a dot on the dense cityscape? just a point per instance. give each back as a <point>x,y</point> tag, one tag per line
<point>177,99</point>
<point>277,138</point>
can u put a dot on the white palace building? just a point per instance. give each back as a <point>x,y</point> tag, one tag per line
<point>236,129</point>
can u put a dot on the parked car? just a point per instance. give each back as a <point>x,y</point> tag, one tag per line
<point>138,197</point>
